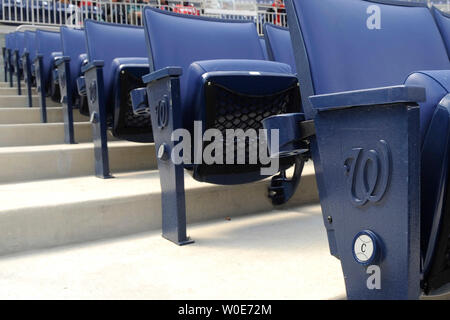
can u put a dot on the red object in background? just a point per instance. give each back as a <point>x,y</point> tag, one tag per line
<point>279,7</point>
<point>190,9</point>
<point>84,3</point>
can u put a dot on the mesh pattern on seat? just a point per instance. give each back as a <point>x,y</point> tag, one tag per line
<point>234,110</point>
<point>239,111</point>
<point>227,109</point>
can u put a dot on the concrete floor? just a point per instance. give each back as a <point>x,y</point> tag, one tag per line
<point>275,255</point>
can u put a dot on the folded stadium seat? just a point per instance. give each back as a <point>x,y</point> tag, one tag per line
<point>54,92</point>
<point>47,42</point>
<point>69,70</point>
<point>264,47</point>
<point>19,46</point>
<point>381,145</point>
<point>5,56</point>
<point>279,46</point>
<point>117,59</point>
<point>215,74</point>
<point>29,54</point>
<point>10,55</point>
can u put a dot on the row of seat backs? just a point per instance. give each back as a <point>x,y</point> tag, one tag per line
<point>109,41</point>
<point>15,41</point>
<point>47,43</point>
<point>30,44</point>
<point>279,45</point>
<point>73,42</point>
<point>350,50</point>
<point>197,39</point>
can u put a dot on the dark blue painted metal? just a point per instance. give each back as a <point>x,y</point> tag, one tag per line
<point>338,138</point>
<point>165,86</point>
<point>26,63</point>
<point>162,73</point>
<point>18,51</point>
<point>81,85</point>
<point>5,64</point>
<point>139,100</point>
<point>28,57</point>
<point>93,74</point>
<point>47,43</point>
<point>10,57</point>
<point>40,85</point>
<point>69,69</point>
<point>368,141</point>
<point>18,71</point>
<point>66,90</point>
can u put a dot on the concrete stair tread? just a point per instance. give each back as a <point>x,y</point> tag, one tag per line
<point>16,101</point>
<point>59,161</point>
<point>48,213</point>
<point>74,190</point>
<point>26,115</point>
<point>62,147</point>
<point>271,255</point>
<point>41,133</point>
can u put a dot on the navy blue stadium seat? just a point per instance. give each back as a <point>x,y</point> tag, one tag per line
<point>28,57</point>
<point>5,54</point>
<point>381,144</point>
<point>279,46</point>
<point>264,47</point>
<point>216,73</point>
<point>19,46</point>
<point>47,42</point>
<point>443,22</point>
<point>117,59</point>
<point>69,70</point>
<point>10,56</point>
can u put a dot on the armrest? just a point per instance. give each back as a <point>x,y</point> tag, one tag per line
<point>162,73</point>
<point>61,60</point>
<point>81,86</point>
<point>92,65</point>
<point>139,101</point>
<point>376,96</point>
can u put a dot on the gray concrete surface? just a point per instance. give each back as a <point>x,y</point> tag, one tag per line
<point>29,163</point>
<point>274,255</point>
<point>49,213</point>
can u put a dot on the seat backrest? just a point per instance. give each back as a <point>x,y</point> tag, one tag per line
<point>73,43</point>
<point>262,41</point>
<point>20,42</point>
<point>361,44</point>
<point>443,22</point>
<point>107,41</point>
<point>46,43</point>
<point>11,41</point>
<point>30,44</point>
<point>279,45</point>
<point>192,38</point>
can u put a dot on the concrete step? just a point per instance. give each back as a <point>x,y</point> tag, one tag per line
<point>30,163</point>
<point>33,115</point>
<point>16,101</point>
<point>279,254</point>
<point>41,134</point>
<point>5,84</point>
<point>8,91</point>
<point>49,213</point>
